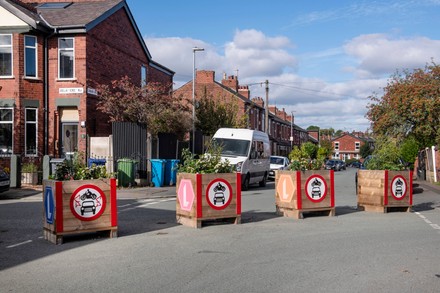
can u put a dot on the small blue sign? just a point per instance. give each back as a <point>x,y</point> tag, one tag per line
<point>49,204</point>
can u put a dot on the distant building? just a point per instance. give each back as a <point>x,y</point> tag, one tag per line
<point>281,126</point>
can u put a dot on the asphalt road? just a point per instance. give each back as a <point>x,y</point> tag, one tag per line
<point>351,252</point>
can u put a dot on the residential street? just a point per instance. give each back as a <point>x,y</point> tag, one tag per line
<point>352,252</point>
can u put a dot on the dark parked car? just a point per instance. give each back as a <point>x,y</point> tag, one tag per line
<point>4,180</point>
<point>356,164</point>
<point>336,165</point>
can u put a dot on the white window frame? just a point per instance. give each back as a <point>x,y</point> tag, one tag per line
<point>35,53</point>
<point>144,73</point>
<point>336,145</point>
<point>36,132</point>
<point>12,123</point>
<point>357,145</point>
<point>12,55</point>
<point>59,59</point>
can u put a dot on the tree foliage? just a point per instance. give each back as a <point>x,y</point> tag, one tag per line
<point>409,149</point>
<point>151,104</point>
<point>305,157</point>
<point>410,105</point>
<point>386,155</point>
<point>214,113</point>
<point>365,150</point>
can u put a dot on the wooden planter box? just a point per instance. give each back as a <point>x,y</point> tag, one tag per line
<point>300,192</point>
<point>207,197</point>
<point>79,206</point>
<point>29,178</point>
<point>384,191</point>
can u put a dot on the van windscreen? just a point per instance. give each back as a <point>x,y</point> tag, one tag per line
<point>232,147</point>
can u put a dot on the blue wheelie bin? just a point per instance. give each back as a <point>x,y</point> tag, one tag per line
<point>158,172</point>
<point>171,172</point>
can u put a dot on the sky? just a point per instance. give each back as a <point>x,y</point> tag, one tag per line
<point>323,59</point>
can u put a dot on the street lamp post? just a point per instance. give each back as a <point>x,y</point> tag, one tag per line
<point>195,49</point>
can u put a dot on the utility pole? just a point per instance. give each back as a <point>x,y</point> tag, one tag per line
<point>266,127</point>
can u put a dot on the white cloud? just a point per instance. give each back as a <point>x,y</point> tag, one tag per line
<point>342,105</point>
<point>379,54</point>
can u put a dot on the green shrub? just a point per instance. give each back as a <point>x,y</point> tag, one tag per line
<point>210,162</point>
<point>75,169</point>
<point>304,158</point>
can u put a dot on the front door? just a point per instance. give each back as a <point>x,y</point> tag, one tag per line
<point>69,138</point>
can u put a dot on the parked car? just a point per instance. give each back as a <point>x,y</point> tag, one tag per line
<point>4,180</point>
<point>336,165</point>
<point>355,164</point>
<point>277,163</point>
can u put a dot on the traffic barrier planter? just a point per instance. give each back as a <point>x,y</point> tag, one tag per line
<point>207,197</point>
<point>384,191</point>
<point>301,192</point>
<point>79,206</point>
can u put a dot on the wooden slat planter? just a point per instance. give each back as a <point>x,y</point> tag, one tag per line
<point>301,192</point>
<point>384,191</point>
<point>79,206</point>
<point>208,197</point>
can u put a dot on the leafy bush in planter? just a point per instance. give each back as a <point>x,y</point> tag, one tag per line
<point>75,169</point>
<point>305,158</point>
<point>386,156</point>
<point>210,162</point>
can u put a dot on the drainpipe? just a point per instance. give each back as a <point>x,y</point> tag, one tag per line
<point>46,86</point>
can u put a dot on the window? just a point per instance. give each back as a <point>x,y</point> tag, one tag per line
<point>336,145</point>
<point>5,55</point>
<point>143,75</point>
<point>31,132</point>
<point>357,145</point>
<point>30,56</point>
<point>6,123</point>
<point>66,58</point>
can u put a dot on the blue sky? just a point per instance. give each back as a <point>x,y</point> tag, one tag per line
<point>322,58</point>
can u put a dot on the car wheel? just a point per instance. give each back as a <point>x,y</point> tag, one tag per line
<point>245,185</point>
<point>263,182</point>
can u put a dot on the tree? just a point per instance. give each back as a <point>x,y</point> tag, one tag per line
<point>410,105</point>
<point>313,127</point>
<point>409,149</point>
<point>365,150</point>
<point>212,114</point>
<point>326,149</point>
<point>151,104</point>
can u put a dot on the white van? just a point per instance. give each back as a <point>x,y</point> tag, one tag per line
<point>248,150</point>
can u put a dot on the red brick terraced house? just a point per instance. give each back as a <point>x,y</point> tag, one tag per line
<point>347,146</point>
<point>229,90</point>
<point>52,54</point>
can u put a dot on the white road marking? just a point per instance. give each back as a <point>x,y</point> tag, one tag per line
<point>18,244</point>
<point>425,219</point>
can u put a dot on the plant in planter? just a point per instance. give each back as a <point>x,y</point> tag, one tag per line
<point>210,162</point>
<point>308,157</point>
<point>75,169</point>
<point>29,173</point>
